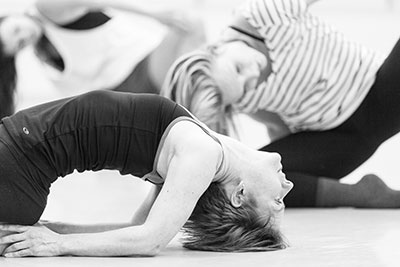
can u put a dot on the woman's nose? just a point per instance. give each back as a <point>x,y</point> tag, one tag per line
<point>252,73</point>
<point>286,186</point>
<point>276,157</point>
<point>253,70</point>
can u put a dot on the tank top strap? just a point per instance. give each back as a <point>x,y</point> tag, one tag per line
<point>154,177</point>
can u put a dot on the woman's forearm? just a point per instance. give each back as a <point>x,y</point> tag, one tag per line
<point>69,228</point>
<point>39,240</point>
<point>132,241</point>
<point>64,7</point>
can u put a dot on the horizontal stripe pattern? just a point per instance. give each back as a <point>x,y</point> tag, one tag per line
<point>318,77</point>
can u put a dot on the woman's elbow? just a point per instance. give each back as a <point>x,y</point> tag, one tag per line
<point>154,251</point>
<point>147,251</point>
<point>149,246</point>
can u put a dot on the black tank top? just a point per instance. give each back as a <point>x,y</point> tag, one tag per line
<point>94,131</point>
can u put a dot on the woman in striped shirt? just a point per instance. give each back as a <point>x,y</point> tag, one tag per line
<point>337,100</point>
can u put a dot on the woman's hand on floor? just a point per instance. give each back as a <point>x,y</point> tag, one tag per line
<point>28,241</point>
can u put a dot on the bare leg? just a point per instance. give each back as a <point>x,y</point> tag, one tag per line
<point>369,192</point>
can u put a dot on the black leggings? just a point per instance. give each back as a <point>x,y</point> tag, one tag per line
<point>337,152</point>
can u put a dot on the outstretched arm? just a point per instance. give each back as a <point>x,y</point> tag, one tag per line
<point>70,228</point>
<point>64,11</point>
<point>138,218</point>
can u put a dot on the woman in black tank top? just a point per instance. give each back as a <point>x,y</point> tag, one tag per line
<point>198,175</point>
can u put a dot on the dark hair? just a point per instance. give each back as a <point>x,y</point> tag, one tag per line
<point>8,81</point>
<point>215,225</point>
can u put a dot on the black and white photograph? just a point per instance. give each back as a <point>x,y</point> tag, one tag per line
<point>199,133</point>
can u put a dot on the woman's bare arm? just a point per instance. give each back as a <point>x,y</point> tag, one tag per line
<point>71,228</point>
<point>138,218</point>
<point>141,214</point>
<point>65,11</point>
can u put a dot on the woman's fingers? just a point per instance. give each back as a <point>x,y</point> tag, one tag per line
<point>14,228</point>
<point>13,238</point>
<point>18,254</point>
<point>16,247</point>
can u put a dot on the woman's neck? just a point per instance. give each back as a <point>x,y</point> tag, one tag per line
<point>237,156</point>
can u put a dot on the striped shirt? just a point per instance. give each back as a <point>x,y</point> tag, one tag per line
<point>318,77</point>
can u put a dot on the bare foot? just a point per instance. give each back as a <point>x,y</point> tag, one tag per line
<point>374,193</point>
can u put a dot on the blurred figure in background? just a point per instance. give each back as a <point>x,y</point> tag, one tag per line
<point>332,102</point>
<point>88,45</point>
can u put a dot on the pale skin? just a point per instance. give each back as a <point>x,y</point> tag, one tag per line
<point>188,163</point>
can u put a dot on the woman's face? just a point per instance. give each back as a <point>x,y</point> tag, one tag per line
<point>17,32</point>
<point>270,190</point>
<point>237,69</point>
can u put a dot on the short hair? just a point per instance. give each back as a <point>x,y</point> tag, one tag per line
<point>189,82</point>
<point>216,225</point>
<point>8,81</point>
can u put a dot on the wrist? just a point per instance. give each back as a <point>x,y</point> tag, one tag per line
<point>64,244</point>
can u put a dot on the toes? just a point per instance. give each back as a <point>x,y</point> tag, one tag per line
<point>372,180</point>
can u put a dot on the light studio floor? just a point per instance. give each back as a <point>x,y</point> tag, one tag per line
<point>318,237</point>
<point>337,237</point>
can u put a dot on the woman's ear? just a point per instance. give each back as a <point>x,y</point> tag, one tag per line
<point>238,195</point>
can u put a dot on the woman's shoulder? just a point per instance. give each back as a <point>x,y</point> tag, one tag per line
<point>189,135</point>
